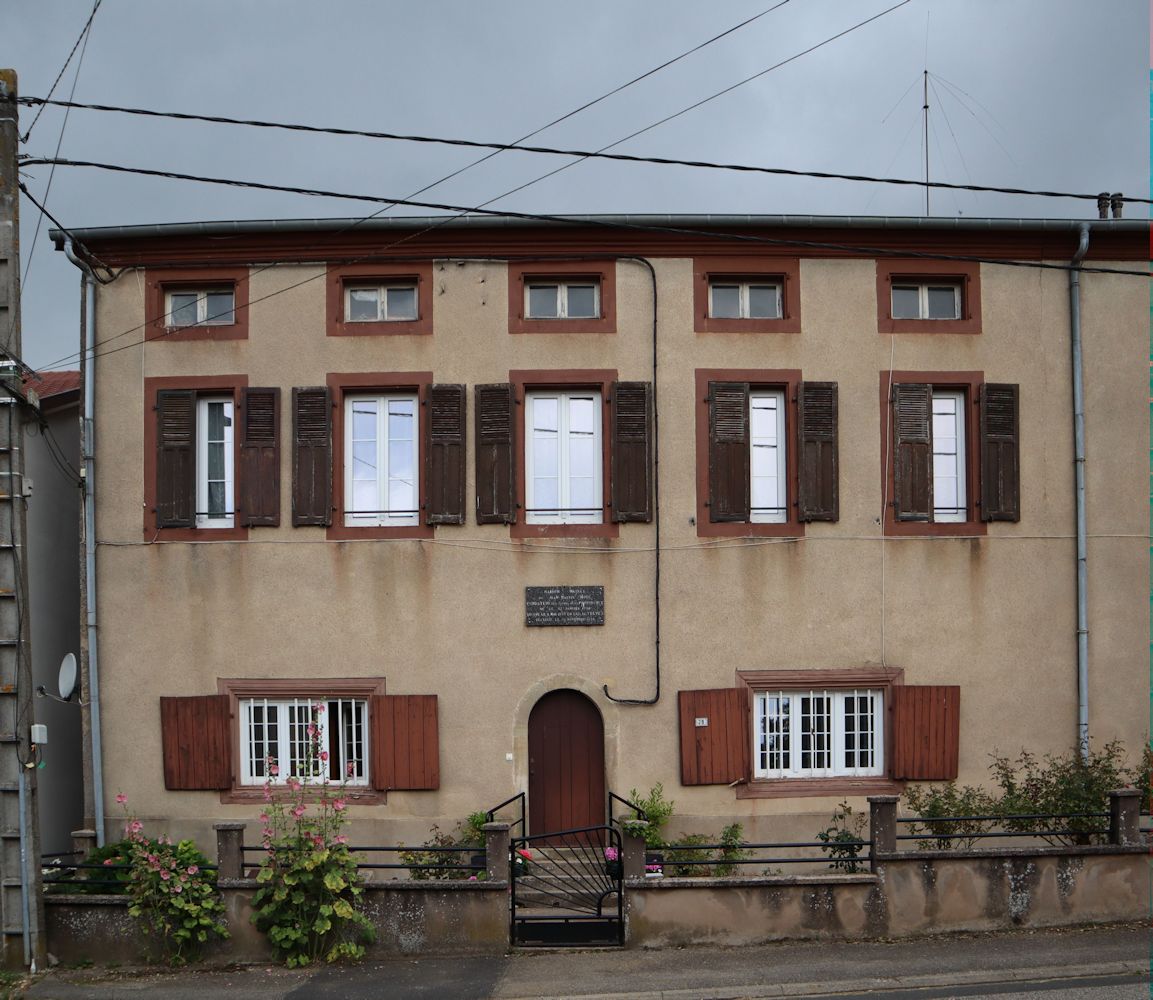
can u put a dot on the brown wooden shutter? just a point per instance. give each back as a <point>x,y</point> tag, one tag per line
<point>258,483</point>
<point>196,736</point>
<point>818,497</point>
<point>175,458</point>
<point>311,456</point>
<point>405,743</point>
<point>632,421</point>
<point>728,451</point>
<point>717,752</point>
<point>444,455</point>
<point>926,728</point>
<point>495,468</point>
<point>912,451</point>
<point>1000,452</point>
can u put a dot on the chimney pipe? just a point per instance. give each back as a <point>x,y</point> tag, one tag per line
<point>1103,205</point>
<point>1118,203</point>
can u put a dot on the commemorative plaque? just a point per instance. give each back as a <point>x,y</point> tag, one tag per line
<point>547,606</point>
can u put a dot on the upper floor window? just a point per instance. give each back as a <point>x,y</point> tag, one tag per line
<point>381,460</point>
<point>379,298</point>
<point>215,466</point>
<point>768,501</point>
<point>928,296</point>
<point>386,303</point>
<point>926,300</point>
<point>562,299</point>
<point>196,303</point>
<point>563,457</point>
<point>201,307</point>
<point>751,294</point>
<point>732,299</point>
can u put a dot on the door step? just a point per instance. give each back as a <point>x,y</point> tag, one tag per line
<point>567,931</point>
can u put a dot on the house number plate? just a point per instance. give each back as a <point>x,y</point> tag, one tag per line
<point>702,722</point>
<point>545,606</point>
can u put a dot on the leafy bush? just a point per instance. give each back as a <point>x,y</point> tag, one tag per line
<point>680,863</point>
<point>1054,785</point>
<point>111,878</point>
<point>423,864</point>
<point>842,839</point>
<point>731,851</point>
<point>657,811</point>
<point>173,892</point>
<point>932,801</point>
<point>310,892</point>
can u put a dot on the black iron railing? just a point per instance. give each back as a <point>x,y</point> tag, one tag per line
<point>965,831</point>
<point>613,797</point>
<point>518,798</point>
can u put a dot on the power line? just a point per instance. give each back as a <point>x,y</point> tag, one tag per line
<point>579,153</point>
<point>460,210</point>
<point>59,76</point>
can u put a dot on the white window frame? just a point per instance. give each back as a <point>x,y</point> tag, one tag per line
<point>922,288</point>
<point>788,759</point>
<point>202,316</point>
<point>743,307</point>
<point>290,746</point>
<point>768,505</point>
<point>383,516</point>
<point>589,515</point>
<point>203,518</point>
<point>947,462</point>
<point>381,289</point>
<point>562,287</point>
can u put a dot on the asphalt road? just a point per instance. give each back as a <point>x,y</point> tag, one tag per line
<point>1109,963</point>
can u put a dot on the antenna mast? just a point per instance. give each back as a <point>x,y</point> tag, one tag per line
<point>925,109</point>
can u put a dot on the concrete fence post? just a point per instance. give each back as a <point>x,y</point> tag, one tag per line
<point>229,850</point>
<point>496,846</point>
<point>83,843</point>
<point>633,850</point>
<point>882,825</point>
<point>1125,816</point>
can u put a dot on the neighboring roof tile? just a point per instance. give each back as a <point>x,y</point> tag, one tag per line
<point>48,384</point>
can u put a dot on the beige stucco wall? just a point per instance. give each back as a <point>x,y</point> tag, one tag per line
<point>994,614</point>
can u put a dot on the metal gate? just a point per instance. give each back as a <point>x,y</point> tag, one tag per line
<point>566,888</point>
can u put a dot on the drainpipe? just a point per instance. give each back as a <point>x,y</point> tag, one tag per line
<point>87,444</point>
<point>1079,482</point>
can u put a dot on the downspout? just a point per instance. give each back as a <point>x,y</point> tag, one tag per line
<point>1079,485</point>
<point>87,445</point>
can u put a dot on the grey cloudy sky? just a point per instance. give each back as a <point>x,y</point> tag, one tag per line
<point>1026,93</point>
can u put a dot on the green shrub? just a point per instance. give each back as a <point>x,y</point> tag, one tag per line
<point>468,833</point>
<point>679,863</point>
<point>842,839</point>
<point>657,811</point>
<point>932,801</point>
<point>730,852</point>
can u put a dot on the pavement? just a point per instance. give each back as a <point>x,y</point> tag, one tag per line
<point>1101,963</point>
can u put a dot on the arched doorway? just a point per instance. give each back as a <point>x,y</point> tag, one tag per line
<point>566,763</point>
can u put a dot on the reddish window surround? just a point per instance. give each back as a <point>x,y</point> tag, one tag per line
<point>603,271</point>
<point>968,274</point>
<point>249,687</point>
<point>783,378</point>
<point>158,281</point>
<point>786,269</point>
<point>215,385</point>
<point>970,382</point>
<point>798,680</point>
<point>356,382</point>
<point>340,275</point>
<point>600,379</point>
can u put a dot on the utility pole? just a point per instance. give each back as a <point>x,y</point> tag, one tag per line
<point>21,898</point>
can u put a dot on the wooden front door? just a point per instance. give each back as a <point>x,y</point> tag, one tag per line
<point>566,763</point>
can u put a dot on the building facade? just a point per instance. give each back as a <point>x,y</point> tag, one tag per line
<point>773,511</point>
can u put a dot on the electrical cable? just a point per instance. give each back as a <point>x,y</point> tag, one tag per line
<point>83,34</point>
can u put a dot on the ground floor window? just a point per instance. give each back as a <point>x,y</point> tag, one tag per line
<point>817,734</point>
<point>282,729</point>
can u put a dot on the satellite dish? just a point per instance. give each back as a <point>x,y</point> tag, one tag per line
<point>67,679</point>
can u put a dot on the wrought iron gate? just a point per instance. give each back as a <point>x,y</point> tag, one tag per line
<point>566,888</point>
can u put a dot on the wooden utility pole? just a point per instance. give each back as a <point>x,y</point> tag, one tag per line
<point>21,899</point>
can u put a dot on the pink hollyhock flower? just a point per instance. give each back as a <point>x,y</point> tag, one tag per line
<point>267,793</point>
<point>319,709</point>
<point>274,769</point>
<point>109,861</point>
<point>311,729</point>
<point>297,811</point>
<point>293,784</point>
<point>323,755</point>
<point>339,805</point>
<point>193,869</point>
<point>472,878</point>
<point>263,817</point>
<point>178,888</point>
<point>121,798</point>
<point>340,839</point>
<point>135,826</point>
<point>351,769</point>
<point>166,875</point>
